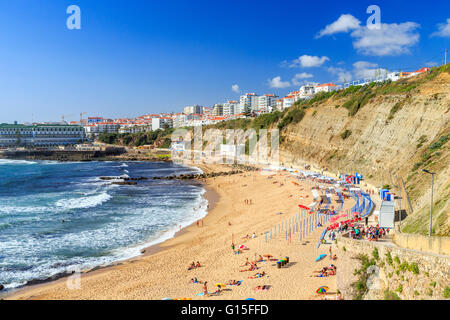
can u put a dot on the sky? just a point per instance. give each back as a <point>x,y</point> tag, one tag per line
<point>137,57</point>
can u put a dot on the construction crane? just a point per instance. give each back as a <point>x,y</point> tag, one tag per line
<point>67,115</point>
<point>81,116</point>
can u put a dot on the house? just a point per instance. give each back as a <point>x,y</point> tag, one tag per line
<point>326,87</point>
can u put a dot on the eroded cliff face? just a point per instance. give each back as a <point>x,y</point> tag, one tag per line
<point>384,148</point>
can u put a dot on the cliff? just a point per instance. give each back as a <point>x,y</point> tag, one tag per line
<point>389,133</point>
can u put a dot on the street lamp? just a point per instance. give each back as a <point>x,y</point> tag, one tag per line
<point>431,204</point>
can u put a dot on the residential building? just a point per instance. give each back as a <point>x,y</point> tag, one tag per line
<point>193,109</point>
<point>326,87</point>
<point>94,120</point>
<point>230,108</point>
<point>266,102</point>
<point>162,123</point>
<point>247,102</point>
<point>217,110</point>
<point>40,135</point>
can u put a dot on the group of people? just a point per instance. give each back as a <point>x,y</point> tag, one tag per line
<point>194,265</point>
<point>326,271</point>
<point>248,201</point>
<point>372,233</point>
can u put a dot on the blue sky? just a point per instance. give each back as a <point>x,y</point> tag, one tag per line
<point>137,57</point>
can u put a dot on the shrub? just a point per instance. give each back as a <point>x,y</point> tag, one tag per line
<point>389,295</point>
<point>396,259</point>
<point>414,268</point>
<point>394,109</point>
<point>389,258</point>
<point>447,292</point>
<point>293,116</point>
<point>346,134</point>
<point>433,284</point>
<point>375,254</point>
<point>399,289</point>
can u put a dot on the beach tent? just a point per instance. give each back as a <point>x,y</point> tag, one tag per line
<point>386,214</point>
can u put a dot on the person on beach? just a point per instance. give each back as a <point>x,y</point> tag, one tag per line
<point>232,246</point>
<point>205,288</point>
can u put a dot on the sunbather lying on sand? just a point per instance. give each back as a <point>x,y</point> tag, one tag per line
<point>233,283</point>
<point>253,267</point>
<point>257,275</point>
<point>262,288</point>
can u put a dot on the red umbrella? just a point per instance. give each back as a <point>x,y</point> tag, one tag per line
<point>303,207</point>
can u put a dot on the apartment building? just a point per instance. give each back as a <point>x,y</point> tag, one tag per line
<point>195,109</point>
<point>40,135</point>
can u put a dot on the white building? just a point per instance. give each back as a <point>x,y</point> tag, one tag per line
<point>217,110</point>
<point>247,102</point>
<point>265,103</point>
<point>162,123</point>
<point>326,87</point>
<point>40,135</point>
<point>288,102</point>
<point>195,109</point>
<point>230,108</point>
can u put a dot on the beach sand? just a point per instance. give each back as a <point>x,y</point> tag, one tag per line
<point>162,271</point>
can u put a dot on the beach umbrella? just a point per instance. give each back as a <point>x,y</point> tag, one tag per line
<point>322,290</point>
<point>249,299</point>
<point>303,207</point>
<point>322,256</point>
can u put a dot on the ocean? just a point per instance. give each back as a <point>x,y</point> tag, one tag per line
<point>60,216</point>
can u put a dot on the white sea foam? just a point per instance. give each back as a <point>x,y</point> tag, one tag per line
<point>83,202</point>
<point>18,162</point>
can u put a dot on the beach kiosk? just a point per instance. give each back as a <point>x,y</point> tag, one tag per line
<point>386,214</point>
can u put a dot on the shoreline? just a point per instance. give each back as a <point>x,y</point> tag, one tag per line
<point>210,195</point>
<point>182,238</point>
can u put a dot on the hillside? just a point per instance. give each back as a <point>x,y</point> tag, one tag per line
<point>388,132</point>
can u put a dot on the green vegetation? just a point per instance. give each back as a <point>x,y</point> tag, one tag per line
<point>394,109</point>
<point>389,258</point>
<point>361,284</point>
<point>137,139</point>
<point>397,260</point>
<point>294,115</point>
<point>399,289</point>
<point>414,268</point>
<point>416,293</point>
<point>421,141</point>
<point>346,134</point>
<point>446,293</point>
<point>433,284</point>
<point>357,101</point>
<point>386,186</point>
<point>375,254</point>
<point>389,295</point>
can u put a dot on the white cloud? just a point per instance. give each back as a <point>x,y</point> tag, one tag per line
<point>342,74</point>
<point>345,23</point>
<point>278,83</point>
<point>306,61</point>
<point>364,69</point>
<point>235,88</point>
<point>390,39</point>
<point>444,30</point>
<point>431,64</point>
<point>299,76</point>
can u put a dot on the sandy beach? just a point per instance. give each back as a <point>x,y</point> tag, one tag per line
<point>162,271</point>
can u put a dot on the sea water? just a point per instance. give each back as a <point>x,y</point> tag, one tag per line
<point>58,217</point>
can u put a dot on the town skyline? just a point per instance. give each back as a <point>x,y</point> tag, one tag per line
<point>131,68</point>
